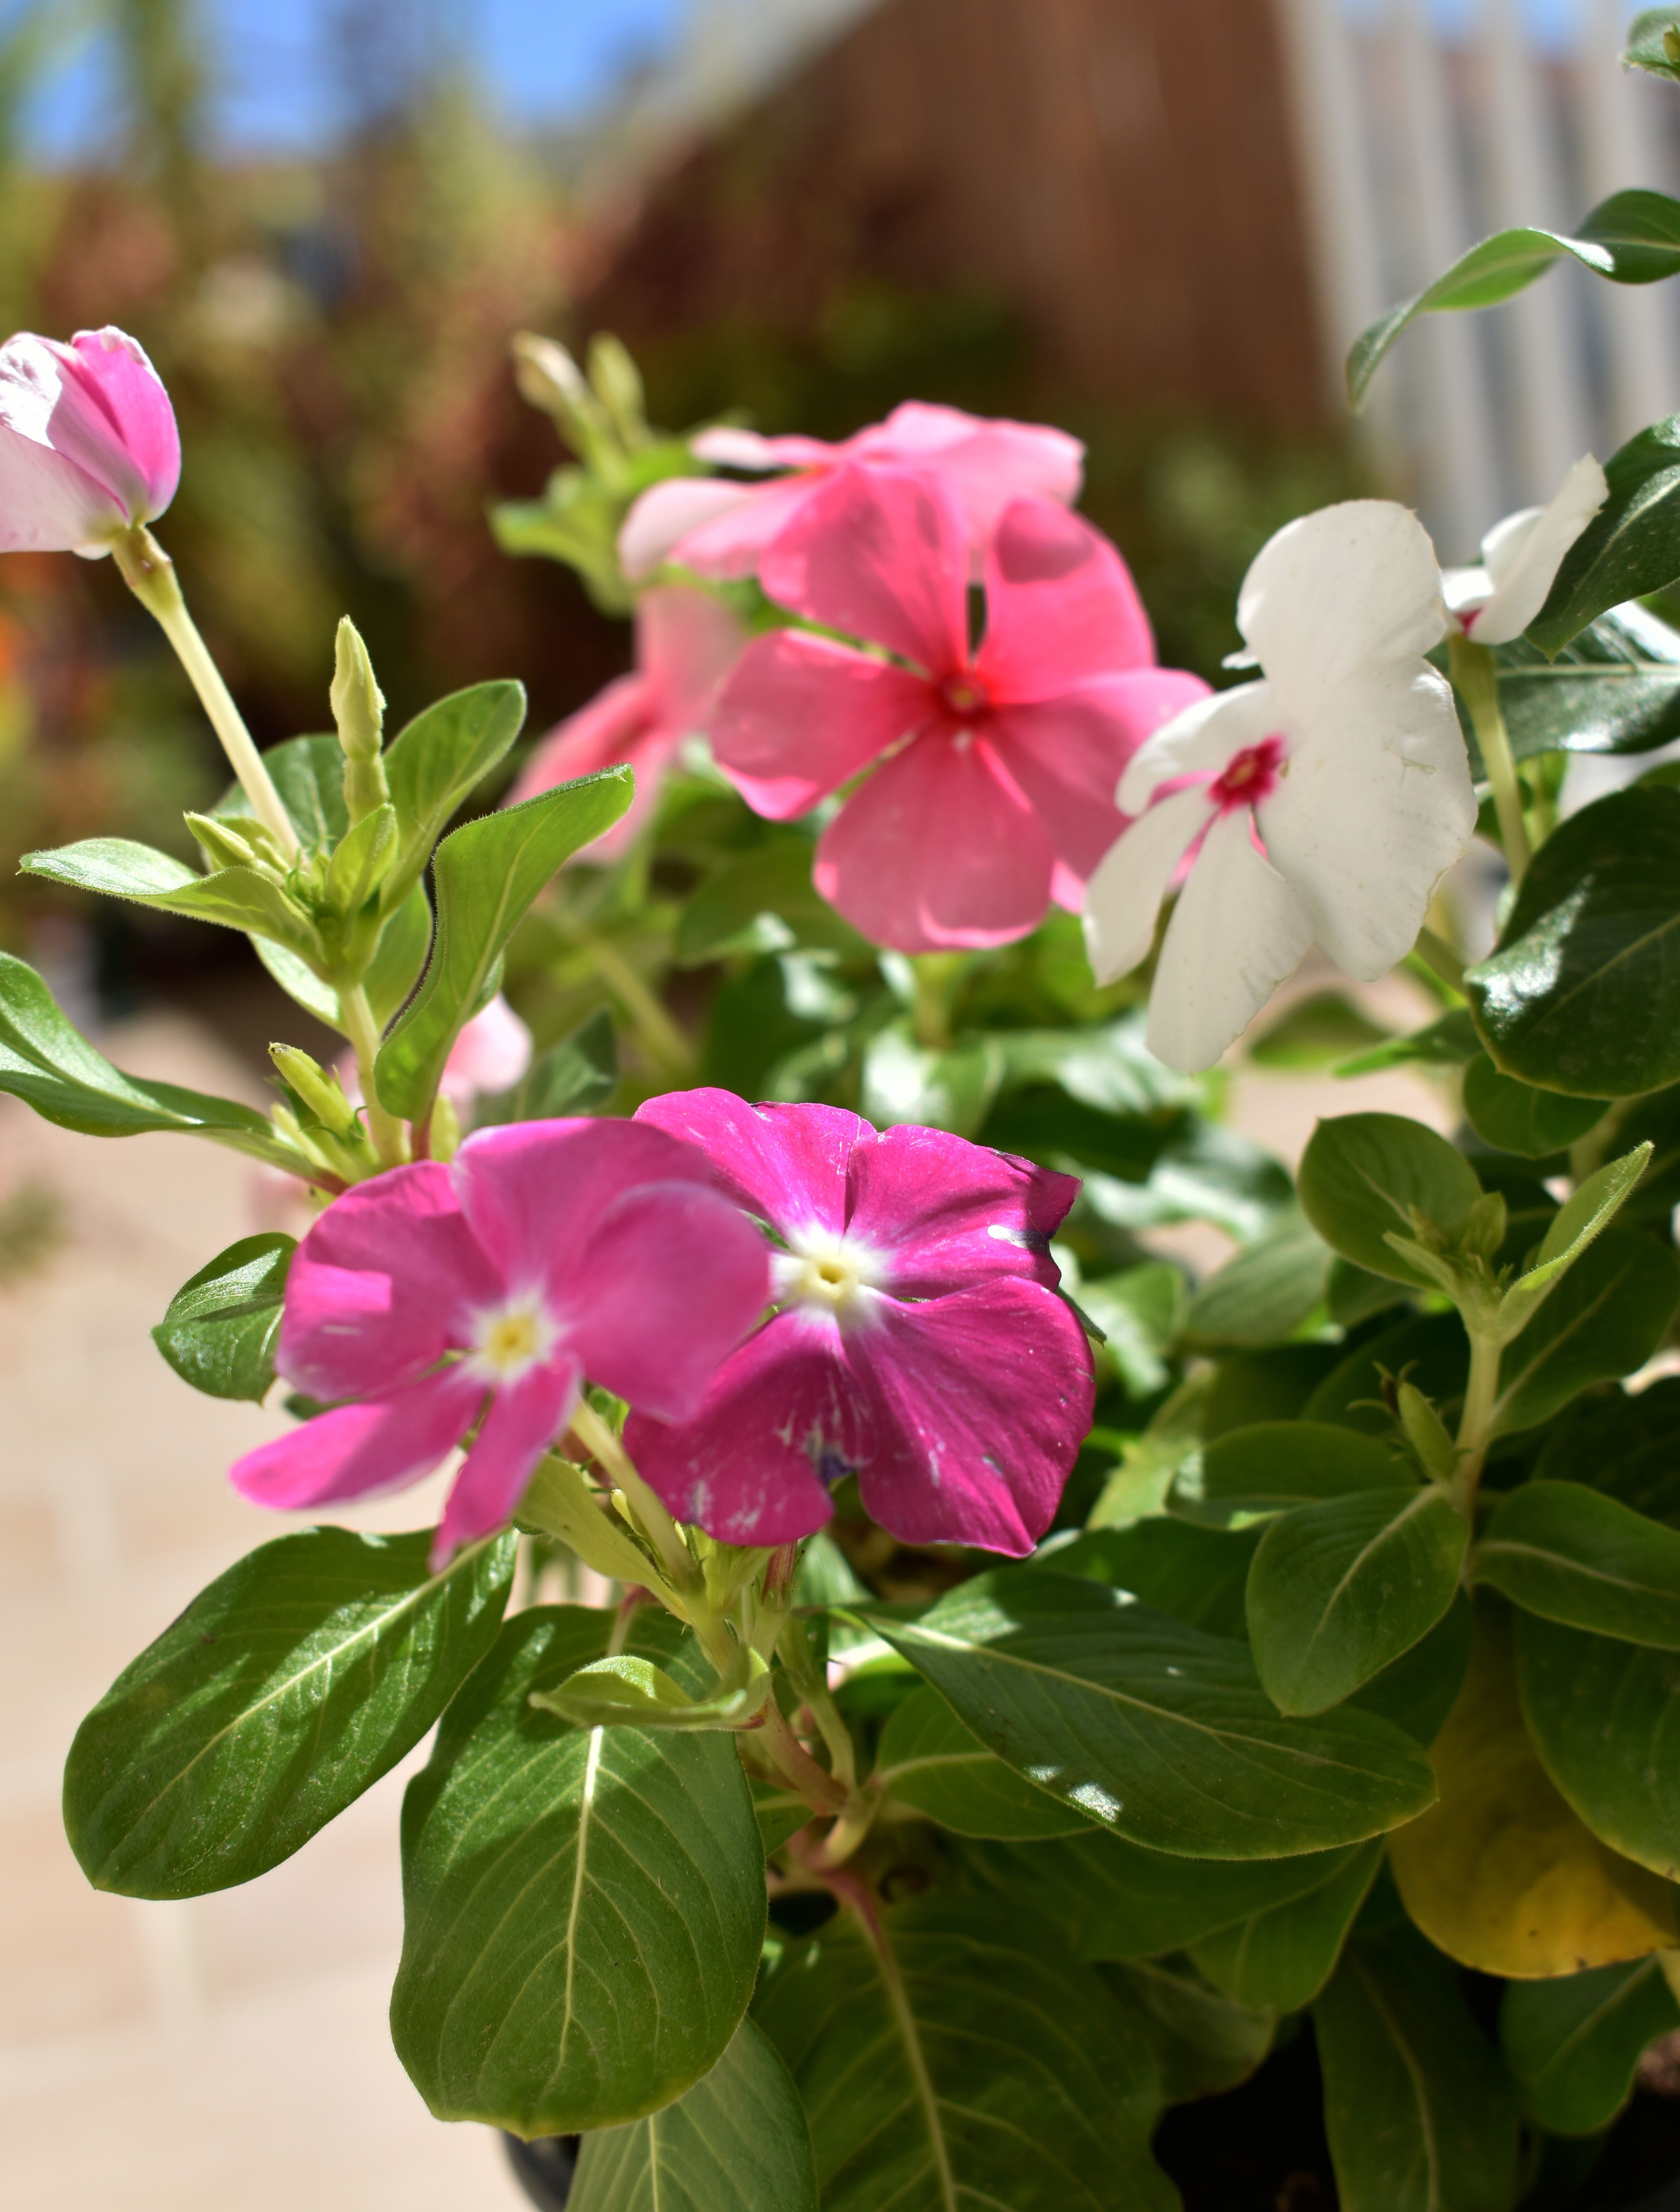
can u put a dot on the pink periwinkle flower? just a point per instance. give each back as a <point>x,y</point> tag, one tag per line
<point>995,770</point>
<point>686,642</point>
<point>719,526</point>
<point>88,441</point>
<point>431,1298</point>
<point>917,1340</point>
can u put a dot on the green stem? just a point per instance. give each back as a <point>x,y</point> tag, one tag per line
<point>664,1043</point>
<point>149,574</point>
<point>1475,1425</point>
<point>814,1784</point>
<point>1474,674</point>
<point>807,1679</point>
<point>1440,959</point>
<point>362,1030</point>
<point>657,1525</point>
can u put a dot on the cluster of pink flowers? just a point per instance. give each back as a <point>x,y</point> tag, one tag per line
<point>904,1327</point>
<point>988,773</point>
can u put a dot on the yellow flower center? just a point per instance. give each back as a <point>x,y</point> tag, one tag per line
<point>824,1270</point>
<point>509,1340</point>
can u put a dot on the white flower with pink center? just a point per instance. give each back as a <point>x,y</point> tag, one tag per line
<point>1328,798</point>
<point>1520,558</point>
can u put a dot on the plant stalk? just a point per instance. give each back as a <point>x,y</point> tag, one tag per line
<point>1474,675</point>
<point>1477,1423</point>
<point>661,1531</point>
<point>1437,956</point>
<point>362,1030</point>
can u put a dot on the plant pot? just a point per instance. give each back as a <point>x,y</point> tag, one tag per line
<point>544,2168</point>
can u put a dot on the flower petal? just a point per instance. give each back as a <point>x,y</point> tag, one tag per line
<point>51,500</point>
<point>951,1214</point>
<point>1125,894</point>
<point>746,1468</point>
<point>355,1451</point>
<point>984,464</point>
<point>982,1400</point>
<point>788,1164</point>
<point>1337,591</point>
<point>880,554</point>
<point>728,447</point>
<point>936,849</point>
<point>520,1423</point>
<point>132,441</point>
<point>381,1286</point>
<point>801,715</point>
<point>1375,806</point>
<point>667,514</point>
<point>686,642</point>
<point>672,1278</point>
<point>1067,755</point>
<point>534,1192</point>
<point>1200,738</point>
<point>1237,930</point>
<point>1523,553</point>
<point>1061,605</point>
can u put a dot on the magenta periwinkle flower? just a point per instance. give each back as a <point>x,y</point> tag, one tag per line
<point>993,769</point>
<point>917,1340</point>
<point>89,445</point>
<point>432,1299</point>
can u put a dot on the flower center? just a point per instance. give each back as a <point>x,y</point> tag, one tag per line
<point>509,1340</point>
<point>1250,776</point>
<point>826,1271</point>
<point>964,696</point>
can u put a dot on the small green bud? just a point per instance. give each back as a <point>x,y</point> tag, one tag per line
<point>223,846</point>
<point>320,1091</point>
<point>362,861</point>
<point>1485,1226</point>
<point>1426,1434</point>
<point>550,378</point>
<point>1671,45</point>
<point>358,708</point>
<point>618,382</point>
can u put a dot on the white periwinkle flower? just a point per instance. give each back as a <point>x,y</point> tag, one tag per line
<point>1520,559</point>
<point>1334,794</point>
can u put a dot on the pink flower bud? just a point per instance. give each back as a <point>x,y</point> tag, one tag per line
<point>88,441</point>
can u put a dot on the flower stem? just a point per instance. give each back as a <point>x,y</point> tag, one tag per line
<point>814,1784</point>
<point>1474,675</point>
<point>1476,1423</point>
<point>663,1042</point>
<point>660,1530</point>
<point>1437,956</point>
<point>362,1030</point>
<point>149,574</point>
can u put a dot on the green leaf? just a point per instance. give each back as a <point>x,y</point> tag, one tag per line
<point>1514,1117</point>
<point>904,1082</point>
<point>1623,1779</point>
<point>1418,1690</point>
<point>779,1813</point>
<point>1139,1312</point>
<point>1156,1730</point>
<point>1208,1173</point>
<point>1582,993</point>
<point>571,1078</point>
<point>308,773</point>
<point>1615,688</point>
<point>45,1062</point>
<point>1204,2042</point>
<point>1197,1576</point>
<point>959,2058</point>
<point>763,902</point>
<point>1430,1350</point>
<point>1256,1472</point>
<point>615,1692</point>
<point>1572,2044</point>
<point>487,874</point>
<point>1315,1029</point>
<point>435,761</point>
<point>1108,1067</point>
<point>401,954</point>
<point>1571,1554</point>
<point>1624,1445</point>
<point>1632,545</point>
<point>1602,1319</point>
<point>1362,1174</point>
<point>1448,1042</point>
<point>583,1909</point>
<point>928,1759</point>
<point>1584,1214</point>
<point>1341,1588</point>
<point>284,1691</point>
<point>1631,238</point>
<point>1280,1956</point>
<point>219,1330</point>
<point>237,898</point>
<point>736,2141</point>
<point>1263,1295</point>
<point>1420,2113</point>
<point>1647,48</point>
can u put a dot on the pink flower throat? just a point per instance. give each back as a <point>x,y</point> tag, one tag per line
<point>964,696</point>
<point>1249,776</point>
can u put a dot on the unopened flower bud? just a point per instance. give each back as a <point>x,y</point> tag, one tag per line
<point>1671,45</point>
<point>358,708</point>
<point>1426,1434</point>
<point>1484,1228</point>
<point>319,1090</point>
<point>617,384</point>
<point>224,846</point>
<point>550,378</point>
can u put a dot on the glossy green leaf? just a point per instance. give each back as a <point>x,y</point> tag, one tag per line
<point>220,1329</point>
<point>1263,1295</point>
<point>1647,48</point>
<point>1584,1215</point>
<point>1631,238</point>
<point>1280,1956</point>
<point>1624,1445</point>
<point>1139,1312</point>
<point>1420,2113</point>
<point>1448,1042</point>
<point>1341,1588</point>
<point>1632,545</point>
<point>1432,1352</point>
<point>437,760</point>
<point>583,1909</point>
<point>487,874</point>
<point>960,2058</point>
<point>1208,1173</point>
<point>46,1064</point>
<point>1107,1067</point>
<point>630,1689</point>
<point>1602,1319</point>
<point>928,1759</point>
<point>1582,993</point>
<point>573,1077</point>
<point>1362,1175</point>
<point>1204,2042</point>
<point>236,898</point>
<point>1571,1554</point>
<point>1614,688</point>
<point>283,1690</point>
<point>736,2141</point>
<point>1624,1779</point>
<point>1572,2045</point>
<point>1256,1472</point>
<point>1196,1575</point>
<point>1157,1730</point>
<point>1515,1117</point>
